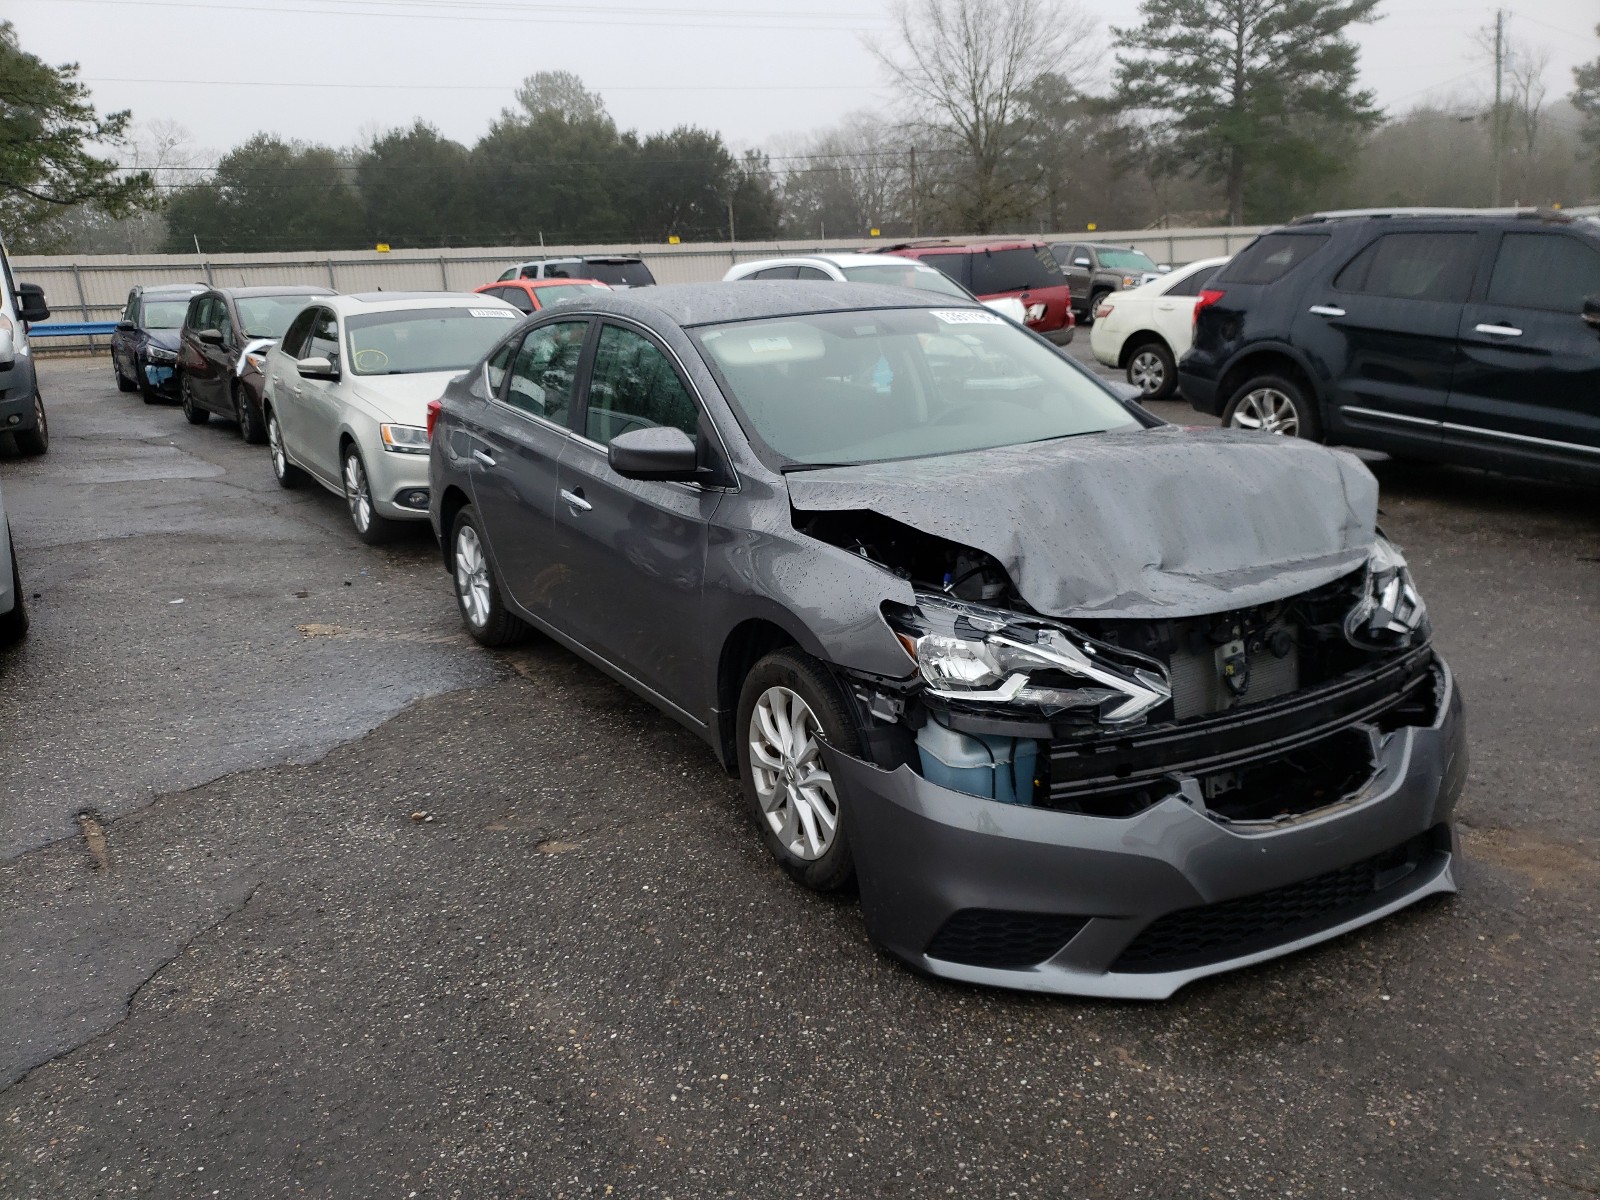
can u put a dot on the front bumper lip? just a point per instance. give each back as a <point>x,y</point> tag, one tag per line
<point>924,853</point>
<point>388,474</point>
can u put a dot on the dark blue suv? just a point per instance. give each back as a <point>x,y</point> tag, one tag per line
<point>1470,337</point>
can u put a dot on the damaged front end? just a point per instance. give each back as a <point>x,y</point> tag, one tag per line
<point>1060,796</point>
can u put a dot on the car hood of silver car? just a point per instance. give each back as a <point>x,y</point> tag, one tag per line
<point>1148,524</point>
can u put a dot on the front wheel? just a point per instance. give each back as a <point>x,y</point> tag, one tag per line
<point>790,705</point>
<point>1152,370</point>
<point>251,427</point>
<point>1095,299</point>
<point>285,472</point>
<point>34,442</point>
<point>1273,404</point>
<point>478,593</point>
<point>370,527</point>
<point>192,412</point>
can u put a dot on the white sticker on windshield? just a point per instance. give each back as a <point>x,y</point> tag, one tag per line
<point>968,316</point>
<point>492,312</point>
<point>768,345</point>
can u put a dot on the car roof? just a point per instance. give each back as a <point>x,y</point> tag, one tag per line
<point>309,289</point>
<point>552,283</point>
<point>176,289</point>
<point>565,258</point>
<point>692,304</point>
<point>944,246</point>
<point>838,260</point>
<point>362,302</point>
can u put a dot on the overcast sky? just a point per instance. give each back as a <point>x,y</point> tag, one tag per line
<point>756,70</point>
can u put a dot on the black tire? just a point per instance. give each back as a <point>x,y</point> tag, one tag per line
<point>123,385</point>
<point>479,599</point>
<point>1256,398</point>
<point>1156,370</point>
<point>192,412</point>
<point>1094,303</point>
<point>14,624</point>
<point>371,527</point>
<point>285,472</point>
<point>251,427</point>
<point>34,442</point>
<point>800,674</point>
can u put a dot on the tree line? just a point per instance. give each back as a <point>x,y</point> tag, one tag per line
<point>1215,111</point>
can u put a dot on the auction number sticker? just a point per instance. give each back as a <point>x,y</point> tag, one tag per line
<point>493,312</point>
<point>968,316</point>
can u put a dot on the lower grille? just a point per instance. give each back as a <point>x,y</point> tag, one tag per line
<point>989,937</point>
<point>1195,937</point>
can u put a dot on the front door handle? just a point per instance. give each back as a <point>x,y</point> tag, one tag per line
<point>483,457</point>
<point>575,501</point>
<point>1499,330</point>
<point>1326,310</point>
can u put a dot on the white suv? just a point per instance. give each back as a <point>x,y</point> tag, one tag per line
<point>618,270</point>
<point>887,269</point>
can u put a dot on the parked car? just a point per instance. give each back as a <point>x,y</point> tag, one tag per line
<point>618,270</point>
<point>13,608</point>
<point>223,347</point>
<point>22,412</point>
<point>144,345</point>
<point>1146,330</point>
<point>1094,271</point>
<point>1464,336</point>
<point>347,390</point>
<point>992,269</point>
<point>531,295</point>
<point>890,270</point>
<point>879,549</point>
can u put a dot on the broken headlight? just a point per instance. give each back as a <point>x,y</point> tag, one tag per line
<point>1390,613</point>
<point>980,655</point>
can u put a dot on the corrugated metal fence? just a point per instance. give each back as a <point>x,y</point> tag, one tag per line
<point>95,287</point>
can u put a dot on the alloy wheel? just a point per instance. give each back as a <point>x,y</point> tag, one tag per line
<point>1147,372</point>
<point>797,796</point>
<point>43,422</point>
<point>357,492</point>
<point>1267,410</point>
<point>472,577</point>
<point>280,460</point>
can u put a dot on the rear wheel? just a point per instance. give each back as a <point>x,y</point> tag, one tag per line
<point>1152,370</point>
<point>14,623</point>
<point>1094,302</point>
<point>788,706</point>
<point>192,412</point>
<point>287,474</point>
<point>370,527</point>
<point>35,441</point>
<point>478,595</point>
<point>1273,404</point>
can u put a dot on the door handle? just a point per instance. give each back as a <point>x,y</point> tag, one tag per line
<point>298,391</point>
<point>1499,330</point>
<point>483,457</point>
<point>576,501</point>
<point>1326,310</point>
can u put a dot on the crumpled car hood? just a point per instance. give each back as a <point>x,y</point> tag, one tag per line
<point>1152,523</point>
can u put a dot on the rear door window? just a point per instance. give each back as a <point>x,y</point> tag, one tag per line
<point>1414,266</point>
<point>775,273</point>
<point>1192,284</point>
<point>1015,270</point>
<point>1272,256</point>
<point>544,373</point>
<point>1544,270</point>
<point>810,273</point>
<point>627,273</point>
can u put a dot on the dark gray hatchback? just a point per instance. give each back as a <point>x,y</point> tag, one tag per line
<point>1081,701</point>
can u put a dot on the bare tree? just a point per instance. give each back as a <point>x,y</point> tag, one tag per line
<point>966,68</point>
<point>1526,68</point>
<point>848,180</point>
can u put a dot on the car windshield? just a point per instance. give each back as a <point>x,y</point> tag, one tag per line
<point>996,271</point>
<point>910,275</point>
<point>163,314</point>
<point>415,340</point>
<point>561,293</point>
<point>868,386</point>
<point>1126,260</point>
<point>269,316</point>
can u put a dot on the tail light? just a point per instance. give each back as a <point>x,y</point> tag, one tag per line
<point>434,408</point>
<point>1208,297</point>
<point>1104,311</point>
<point>1035,312</point>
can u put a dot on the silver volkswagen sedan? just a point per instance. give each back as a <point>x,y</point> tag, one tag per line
<point>1080,701</point>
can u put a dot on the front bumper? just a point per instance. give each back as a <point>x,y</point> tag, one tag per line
<point>1136,907</point>
<point>395,477</point>
<point>160,378</point>
<point>16,396</point>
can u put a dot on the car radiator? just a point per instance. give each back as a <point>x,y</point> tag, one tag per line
<point>1200,687</point>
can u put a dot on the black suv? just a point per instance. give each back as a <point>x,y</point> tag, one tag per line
<point>1464,336</point>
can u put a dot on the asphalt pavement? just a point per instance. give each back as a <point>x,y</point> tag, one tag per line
<point>305,894</point>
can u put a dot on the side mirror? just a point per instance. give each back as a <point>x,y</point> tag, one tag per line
<point>659,452</point>
<point>317,368</point>
<point>1591,312</point>
<point>1164,268</point>
<point>30,303</point>
<point>1081,262</point>
<point>211,337</point>
<point>126,327</point>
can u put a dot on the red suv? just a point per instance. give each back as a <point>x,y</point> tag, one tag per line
<point>990,269</point>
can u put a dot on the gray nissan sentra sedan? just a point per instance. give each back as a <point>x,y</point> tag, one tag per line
<point>1080,701</point>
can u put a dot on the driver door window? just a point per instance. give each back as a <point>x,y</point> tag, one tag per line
<point>633,386</point>
<point>295,339</point>
<point>544,374</point>
<point>324,337</point>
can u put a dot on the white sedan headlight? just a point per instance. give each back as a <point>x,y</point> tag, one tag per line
<point>404,439</point>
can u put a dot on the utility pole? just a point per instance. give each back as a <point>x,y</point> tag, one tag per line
<point>1497,121</point>
<point>916,231</point>
<point>732,237</point>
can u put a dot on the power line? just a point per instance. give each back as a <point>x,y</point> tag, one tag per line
<point>485,87</point>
